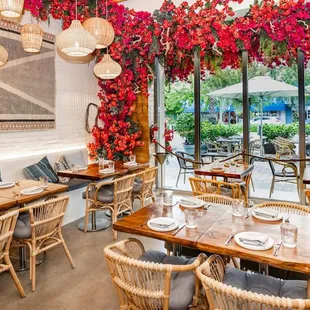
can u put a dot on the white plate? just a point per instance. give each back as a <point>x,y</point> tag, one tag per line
<point>268,245</point>
<point>82,168</point>
<point>163,220</point>
<point>265,218</point>
<point>130,164</point>
<point>106,171</point>
<point>31,191</point>
<point>199,203</point>
<point>6,184</point>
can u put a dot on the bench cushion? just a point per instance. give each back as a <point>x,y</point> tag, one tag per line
<point>41,169</point>
<point>182,283</point>
<point>76,184</point>
<point>262,284</point>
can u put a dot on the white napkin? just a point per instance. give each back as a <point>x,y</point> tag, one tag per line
<point>255,239</point>
<point>5,183</point>
<point>188,202</point>
<point>32,189</point>
<point>266,213</point>
<point>130,163</point>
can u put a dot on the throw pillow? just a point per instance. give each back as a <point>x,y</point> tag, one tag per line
<point>75,159</point>
<point>42,169</point>
<point>61,165</point>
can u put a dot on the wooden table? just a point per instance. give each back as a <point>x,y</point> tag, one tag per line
<point>13,193</point>
<point>215,226</point>
<point>240,172</point>
<point>6,203</point>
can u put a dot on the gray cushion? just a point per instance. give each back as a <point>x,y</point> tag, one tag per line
<point>136,188</point>
<point>182,284</point>
<point>41,169</point>
<point>261,284</point>
<point>75,159</point>
<point>76,184</point>
<point>106,194</point>
<point>22,229</point>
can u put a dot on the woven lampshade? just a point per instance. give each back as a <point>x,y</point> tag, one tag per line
<point>101,29</point>
<point>32,36</point>
<point>107,68</point>
<point>11,8</point>
<point>76,41</point>
<point>3,56</point>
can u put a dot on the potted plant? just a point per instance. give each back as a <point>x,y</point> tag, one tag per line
<point>185,126</point>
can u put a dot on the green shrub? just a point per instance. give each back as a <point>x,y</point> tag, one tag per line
<point>185,126</point>
<point>272,131</point>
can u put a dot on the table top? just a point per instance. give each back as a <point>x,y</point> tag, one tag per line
<point>6,203</point>
<point>214,227</point>
<point>13,193</point>
<point>241,171</point>
<point>92,172</point>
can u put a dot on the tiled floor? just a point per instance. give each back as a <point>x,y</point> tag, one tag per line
<point>261,177</point>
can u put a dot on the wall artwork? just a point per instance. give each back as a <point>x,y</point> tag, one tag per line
<point>27,83</point>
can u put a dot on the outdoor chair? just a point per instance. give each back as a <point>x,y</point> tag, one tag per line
<point>269,149</point>
<point>152,280</point>
<point>255,147</point>
<point>204,186</point>
<point>184,166</point>
<point>114,195</point>
<point>288,174</point>
<point>143,185</point>
<point>7,226</point>
<point>39,228</point>
<point>284,147</point>
<point>228,288</point>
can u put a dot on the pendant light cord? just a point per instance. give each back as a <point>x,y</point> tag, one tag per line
<point>106,17</point>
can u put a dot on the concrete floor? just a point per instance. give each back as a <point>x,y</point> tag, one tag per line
<point>59,287</point>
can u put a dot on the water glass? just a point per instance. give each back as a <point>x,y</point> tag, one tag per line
<point>111,165</point>
<point>238,208</point>
<point>132,158</point>
<point>289,235</point>
<point>75,168</point>
<point>191,218</point>
<point>168,196</point>
<point>101,163</point>
<point>43,182</point>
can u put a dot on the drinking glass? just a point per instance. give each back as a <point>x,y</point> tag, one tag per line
<point>132,158</point>
<point>75,168</point>
<point>191,218</point>
<point>289,235</point>
<point>168,196</point>
<point>111,165</point>
<point>232,166</point>
<point>101,163</point>
<point>237,208</point>
<point>43,182</point>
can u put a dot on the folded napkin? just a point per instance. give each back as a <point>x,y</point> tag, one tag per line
<point>32,189</point>
<point>266,213</point>
<point>257,239</point>
<point>130,163</point>
<point>188,202</point>
<point>5,183</point>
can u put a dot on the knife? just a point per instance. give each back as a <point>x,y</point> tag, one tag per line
<point>175,232</point>
<point>276,251</point>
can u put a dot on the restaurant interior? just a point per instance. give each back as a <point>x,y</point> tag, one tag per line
<point>154,154</point>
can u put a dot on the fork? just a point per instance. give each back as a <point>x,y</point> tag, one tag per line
<point>144,223</point>
<point>229,239</point>
<point>276,251</point>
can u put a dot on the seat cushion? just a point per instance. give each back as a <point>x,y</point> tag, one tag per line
<point>182,284</point>
<point>105,194</point>
<point>76,184</point>
<point>22,228</point>
<point>75,159</point>
<point>136,188</point>
<point>41,169</point>
<point>261,284</point>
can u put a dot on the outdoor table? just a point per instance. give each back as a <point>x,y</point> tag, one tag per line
<point>6,203</point>
<point>229,142</point>
<point>215,226</point>
<point>213,155</point>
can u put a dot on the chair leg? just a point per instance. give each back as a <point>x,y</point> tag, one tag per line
<point>178,178</point>
<point>252,182</point>
<point>184,176</point>
<point>86,220</point>
<point>33,259</point>
<point>114,219</point>
<point>272,186</point>
<point>64,245</point>
<point>14,276</point>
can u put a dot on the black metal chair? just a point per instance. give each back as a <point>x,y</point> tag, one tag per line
<point>184,166</point>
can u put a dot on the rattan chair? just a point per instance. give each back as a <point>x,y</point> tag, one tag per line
<point>285,207</point>
<point>145,285</point>
<point>43,232</point>
<point>114,195</point>
<point>226,297</point>
<point>7,226</point>
<point>307,194</point>
<point>203,186</point>
<point>144,190</point>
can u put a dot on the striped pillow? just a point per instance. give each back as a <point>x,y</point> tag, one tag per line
<point>42,169</point>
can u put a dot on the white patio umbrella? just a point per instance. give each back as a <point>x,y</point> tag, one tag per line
<point>260,86</point>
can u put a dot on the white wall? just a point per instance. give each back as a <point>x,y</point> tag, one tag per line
<point>76,86</point>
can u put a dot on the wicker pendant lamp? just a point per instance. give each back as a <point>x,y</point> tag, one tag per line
<point>107,68</point>
<point>101,29</point>
<point>11,8</point>
<point>32,36</point>
<point>3,56</point>
<point>76,41</point>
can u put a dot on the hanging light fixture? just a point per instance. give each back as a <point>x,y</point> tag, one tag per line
<point>3,56</point>
<point>32,36</point>
<point>101,29</point>
<point>76,41</point>
<point>107,68</point>
<point>11,8</point>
